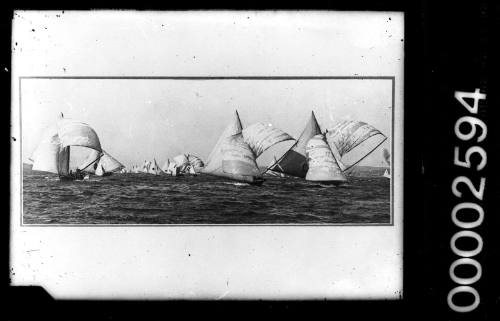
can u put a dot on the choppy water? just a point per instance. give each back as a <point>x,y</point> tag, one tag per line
<point>149,199</point>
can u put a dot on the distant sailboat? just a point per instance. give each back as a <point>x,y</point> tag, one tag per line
<point>182,162</point>
<point>165,166</point>
<point>353,141</point>
<point>145,167</point>
<point>323,167</point>
<point>154,168</point>
<point>387,158</point>
<point>232,157</point>
<point>53,152</point>
<point>195,162</point>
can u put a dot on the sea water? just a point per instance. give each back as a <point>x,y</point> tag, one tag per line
<point>203,199</point>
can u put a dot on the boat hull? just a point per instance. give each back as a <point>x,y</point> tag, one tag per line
<point>253,180</point>
<point>336,183</point>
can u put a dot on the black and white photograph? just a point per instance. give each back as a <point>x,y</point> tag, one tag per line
<point>215,136</point>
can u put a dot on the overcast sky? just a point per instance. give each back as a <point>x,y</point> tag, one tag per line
<point>142,119</point>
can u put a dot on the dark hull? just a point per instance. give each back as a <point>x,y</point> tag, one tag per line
<point>71,178</point>
<point>252,180</point>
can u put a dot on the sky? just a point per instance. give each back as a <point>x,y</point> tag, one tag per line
<point>138,119</point>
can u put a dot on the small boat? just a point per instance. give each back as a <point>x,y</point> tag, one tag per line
<point>387,158</point>
<point>154,168</point>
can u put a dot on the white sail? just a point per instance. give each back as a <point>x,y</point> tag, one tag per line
<point>181,161</point>
<point>322,164</point>
<point>46,155</point>
<point>145,167</point>
<point>348,136</point>
<point>154,168</point>
<point>260,137</point>
<point>214,161</point>
<point>232,157</point>
<point>195,162</point>
<point>172,169</point>
<point>89,165</point>
<point>74,133</point>
<point>386,174</point>
<point>109,163</point>
<point>100,170</point>
<point>165,166</point>
<point>238,157</point>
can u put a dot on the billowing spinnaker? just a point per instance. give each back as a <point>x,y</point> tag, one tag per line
<point>214,160</point>
<point>237,157</point>
<point>260,137</point>
<point>89,164</point>
<point>74,133</point>
<point>46,155</point>
<point>349,134</point>
<point>322,164</point>
<point>109,163</point>
<point>195,161</point>
<point>294,161</point>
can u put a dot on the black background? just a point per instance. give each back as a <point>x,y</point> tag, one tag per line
<point>449,46</point>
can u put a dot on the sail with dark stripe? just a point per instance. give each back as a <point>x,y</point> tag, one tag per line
<point>294,161</point>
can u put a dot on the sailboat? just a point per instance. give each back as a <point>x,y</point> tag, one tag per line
<point>165,166</point>
<point>54,150</point>
<point>354,141</point>
<point>145,167</point>
<point>387,158</point>
<point>181,161</point>
<point>195,162</point>
<point>154,168</point>
<point>235,153</point>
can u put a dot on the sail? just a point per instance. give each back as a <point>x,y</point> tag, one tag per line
<point>165,166</point>
<point>109,163</point>
<point>294,161</point>
<point>214,160</point>
<point>386,174</point>
<point>63,161</point>
<point>322,164</point>
<point>46,155</point>
<point>145,167</point>
<point>181,161</point>
<point>172,169</point>
<point>387,157</point>
<point>154,168</point>
<point>238,157</point>
<point>100,170</point>
<point>93,158</point>
<point>195,162</point>
<point>260,137</point>
<point>347,135</point>
<point>74,133</point>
